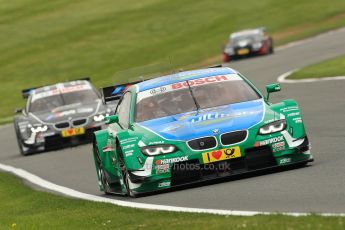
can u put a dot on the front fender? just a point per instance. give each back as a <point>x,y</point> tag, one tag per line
<point>130,143</point>
<point>101,139</point>
<point>292,113</point>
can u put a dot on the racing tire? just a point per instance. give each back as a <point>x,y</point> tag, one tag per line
<point>104,181</point>
<point>127,181</point>
<point>271,49</point>
<point>101,172</point>
<point>125,175</point>
<point>20,145</point>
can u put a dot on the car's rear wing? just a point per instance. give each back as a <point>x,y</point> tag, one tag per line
<point>113,93</point>
<point>26,92</point>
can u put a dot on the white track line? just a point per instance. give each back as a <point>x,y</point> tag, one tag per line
<point>76,194</point>
<point>283,78</point>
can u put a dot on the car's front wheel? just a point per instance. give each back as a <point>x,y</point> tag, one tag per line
<point>125,176</point>
<point>101,173</point>
<point>22,149</point>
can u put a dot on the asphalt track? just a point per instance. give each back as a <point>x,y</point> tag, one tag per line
<point>316,188</point>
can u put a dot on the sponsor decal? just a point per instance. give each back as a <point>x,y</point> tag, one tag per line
<point>108,149</point>
<point>171,160</point>
<point>129,153</point>
<point>85,110</point>
<point>158,90</point>
<point>46,134</point>
<point>271,140</point>
<point>288,109</point>
<point>222,154</point>
<point>297,120</point>
<point>183,84</point>
<point>279,146</point>
<point>61,114</point>
<point>65,113</point>
<point>200,81</point>
<point>215,131</point>
<point>294,114</point>
<point>221,116</point>
<point>156,142</point>
<point>160,169</point>
<point>128,147</point>
<point>129,140</point>
<point>164,184</point>
<point>118,90</point>
<point>74,88</point>
<point>60,90</point>
<point>284,160</point>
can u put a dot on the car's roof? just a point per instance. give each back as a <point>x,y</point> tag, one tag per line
<point>183,76</point>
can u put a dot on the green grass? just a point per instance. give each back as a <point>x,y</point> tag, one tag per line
<point>24,208</point>
<point>330,68</point>
<point>42,42</point>
<point>5,120</point>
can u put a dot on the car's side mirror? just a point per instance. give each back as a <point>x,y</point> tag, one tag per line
<point>271,88</point>
<point>18,110</point>
<point>111,119</point>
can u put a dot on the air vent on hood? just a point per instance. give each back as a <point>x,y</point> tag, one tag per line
<point>203,143</point>
<point>233,137</point>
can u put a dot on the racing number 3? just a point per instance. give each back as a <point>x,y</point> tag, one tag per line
<point>222,154</point>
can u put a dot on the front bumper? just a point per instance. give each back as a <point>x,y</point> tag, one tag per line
<point>56,141</point>
<point>192,171</point>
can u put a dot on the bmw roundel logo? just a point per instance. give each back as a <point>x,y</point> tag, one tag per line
<point>215,131</point>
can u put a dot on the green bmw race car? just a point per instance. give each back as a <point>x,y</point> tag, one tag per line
<point>194,126</point>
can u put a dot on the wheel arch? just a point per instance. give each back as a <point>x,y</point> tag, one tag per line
<point>293,116</point>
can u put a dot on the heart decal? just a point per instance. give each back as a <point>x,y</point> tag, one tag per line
<point>217,154</point>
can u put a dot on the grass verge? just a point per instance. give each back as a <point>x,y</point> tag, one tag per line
<point>6,120</point>
<point>329,68</point>
<point>43,42</point>
<point>25,208</point>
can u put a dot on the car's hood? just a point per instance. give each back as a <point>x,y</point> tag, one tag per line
<point>67,112</point>
<point>208,122</point>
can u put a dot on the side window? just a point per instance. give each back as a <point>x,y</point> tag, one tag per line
<point>123,110</point>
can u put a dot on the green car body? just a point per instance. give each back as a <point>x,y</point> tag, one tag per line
<point>136,155</point>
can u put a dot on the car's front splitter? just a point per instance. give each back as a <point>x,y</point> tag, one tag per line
<point>148,185</point>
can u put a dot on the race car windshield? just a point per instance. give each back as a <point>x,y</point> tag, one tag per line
<point>49,103</point>
<point>249,37</point>
<point>177,98</point>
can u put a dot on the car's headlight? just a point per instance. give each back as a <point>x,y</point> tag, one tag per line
<point>38,128</point>
<point>257,45</point>
<point>229,51</point>
<point>273,127</point>
<point>100,117</point>
<point>158,149</point>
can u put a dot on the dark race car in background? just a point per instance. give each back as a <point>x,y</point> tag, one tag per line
<point>60,115</point>
<point>247,43</point>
